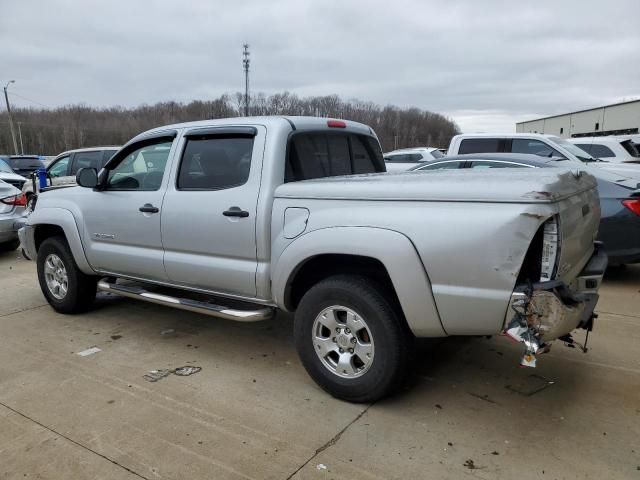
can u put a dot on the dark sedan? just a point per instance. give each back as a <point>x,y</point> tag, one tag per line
<point>619,197</point>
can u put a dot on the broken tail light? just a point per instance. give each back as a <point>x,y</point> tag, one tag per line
<point>550,249</point>
<point>633,205</point>
<point>16,200</point>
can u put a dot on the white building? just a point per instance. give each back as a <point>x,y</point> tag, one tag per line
<point>616,119</point>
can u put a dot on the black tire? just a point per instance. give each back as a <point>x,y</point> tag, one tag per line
<point>9,246</point>
<point>390,335</point>
<point>81,288</point>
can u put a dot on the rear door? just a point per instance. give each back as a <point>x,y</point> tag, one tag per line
<point>209,211</point>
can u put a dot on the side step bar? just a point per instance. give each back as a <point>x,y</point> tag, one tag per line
<point>206,308</point>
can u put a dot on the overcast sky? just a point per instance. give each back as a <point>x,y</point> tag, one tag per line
<point>485,64</point>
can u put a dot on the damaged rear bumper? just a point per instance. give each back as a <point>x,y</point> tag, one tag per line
<point>542,312</point>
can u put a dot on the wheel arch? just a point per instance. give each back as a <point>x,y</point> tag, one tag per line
<point>387,255</point>
<point>47,222</point>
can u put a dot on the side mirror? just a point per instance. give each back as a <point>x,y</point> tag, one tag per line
<point>87,177</point>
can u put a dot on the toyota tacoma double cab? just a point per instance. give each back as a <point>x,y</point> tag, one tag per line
<point>240,218</point>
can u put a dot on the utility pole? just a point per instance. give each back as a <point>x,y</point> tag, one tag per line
<point>13,133</point>
<point>245,64</point>
<point>20,135</point>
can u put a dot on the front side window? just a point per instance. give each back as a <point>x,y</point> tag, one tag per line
<point>601,151</point>
<point>142,169</point>
<point>215,162</point>
<point>60,168</point>
<point>86,160</point>
<point>318,155</point>
<point>534,147</point>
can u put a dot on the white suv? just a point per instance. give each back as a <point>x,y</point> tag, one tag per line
<point>537,144</point>
<point>612,149</point>
<point>400,160</point>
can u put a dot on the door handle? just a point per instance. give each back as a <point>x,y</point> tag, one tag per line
<point>148,208</point>
<point>235,212</point>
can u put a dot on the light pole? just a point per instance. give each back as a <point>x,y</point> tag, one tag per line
<point>20,136</point>
<point>13,133</point>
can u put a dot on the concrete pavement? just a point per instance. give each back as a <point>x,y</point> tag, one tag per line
<point>252,412</point>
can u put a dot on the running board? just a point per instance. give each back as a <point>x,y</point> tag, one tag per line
<point>139,293</point>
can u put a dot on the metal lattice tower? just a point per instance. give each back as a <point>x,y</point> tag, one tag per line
<point>245,63</point>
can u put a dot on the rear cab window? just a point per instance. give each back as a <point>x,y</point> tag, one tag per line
<point>329,154</point>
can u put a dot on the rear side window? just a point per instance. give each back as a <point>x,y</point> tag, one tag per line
<point>437,154</point>
<point>449,165</point>
<point>631,148</point>
<point>481,145</point>
<point>318,155</point>
<point>215,163</point>
<point>490,164</point>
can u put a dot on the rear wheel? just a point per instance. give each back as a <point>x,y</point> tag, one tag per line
<point>64,285</point>
<point>351,339</point>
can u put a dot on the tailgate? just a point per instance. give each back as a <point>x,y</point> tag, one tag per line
<point>579,218</point>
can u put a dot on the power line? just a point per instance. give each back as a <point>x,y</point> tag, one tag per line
<point>30,100</point>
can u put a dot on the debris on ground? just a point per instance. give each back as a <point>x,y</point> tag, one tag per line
<point>168,331</point>
<point>321,466</point>
<point>116,337</point>
<point>438,406</point>
<point>495,453</point>
<point>155,375</point>
<point>186,370</point>
<point>470,464</point>
<point>89,351</point>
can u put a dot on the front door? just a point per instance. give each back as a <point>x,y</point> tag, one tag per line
<point>209,211</point>
<point>122,221</point>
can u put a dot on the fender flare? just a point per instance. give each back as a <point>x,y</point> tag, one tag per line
<point>64,219</point>
<point>393,249</point>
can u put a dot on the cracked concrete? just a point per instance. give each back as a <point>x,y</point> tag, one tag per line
<point>252,412</point>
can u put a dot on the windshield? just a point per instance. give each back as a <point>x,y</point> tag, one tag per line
<point>573,149</point>
<point>4,167</point>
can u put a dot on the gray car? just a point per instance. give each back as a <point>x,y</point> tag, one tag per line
<point>619,198</point>
<point>12,216</point>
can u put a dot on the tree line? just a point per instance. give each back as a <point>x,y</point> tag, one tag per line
<point>51,131</point>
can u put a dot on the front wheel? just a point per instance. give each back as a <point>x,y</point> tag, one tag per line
<point>351,339</point>
<point>64,285</point>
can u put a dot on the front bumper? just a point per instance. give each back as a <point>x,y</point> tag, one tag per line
<point>27,243</point>
<point>545,311</point>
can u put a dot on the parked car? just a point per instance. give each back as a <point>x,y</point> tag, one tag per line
<point>12,216</point>
<point>537,144</point>
<point>619,198</point>
<point>407,158</point>
<point>238,218</point>
<point>8,175</point>
<point>62,170</point>
<point>25,165</point>
<point>611,149</point>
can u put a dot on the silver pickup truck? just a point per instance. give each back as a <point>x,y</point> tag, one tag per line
<point>239,218</point>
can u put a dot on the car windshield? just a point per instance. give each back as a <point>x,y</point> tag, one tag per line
<point>4,167</point>
<point>573,149</point>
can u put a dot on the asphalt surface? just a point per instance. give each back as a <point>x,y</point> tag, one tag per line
<point>467,411</point>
